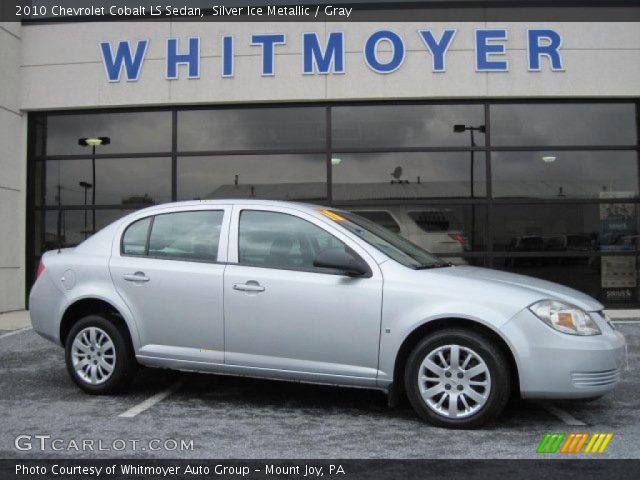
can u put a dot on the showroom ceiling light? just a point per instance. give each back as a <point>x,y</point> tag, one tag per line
<point>549,158</point>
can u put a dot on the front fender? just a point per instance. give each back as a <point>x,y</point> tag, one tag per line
<point>399,324</point>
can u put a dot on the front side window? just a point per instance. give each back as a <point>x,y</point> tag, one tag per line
<point>279,240</point>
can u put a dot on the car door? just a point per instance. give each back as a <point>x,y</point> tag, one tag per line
<point>282,313</point>
<point>169,270</point>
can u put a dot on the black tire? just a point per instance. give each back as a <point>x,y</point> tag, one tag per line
<point>495,360</point>
<point>125,362</point>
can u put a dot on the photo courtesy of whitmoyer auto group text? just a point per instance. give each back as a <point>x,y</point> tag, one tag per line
<point>286,239</point>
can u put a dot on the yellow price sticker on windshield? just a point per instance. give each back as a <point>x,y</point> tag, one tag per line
<point>333,216</point>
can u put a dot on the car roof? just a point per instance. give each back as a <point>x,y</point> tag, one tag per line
<point>236,201</point>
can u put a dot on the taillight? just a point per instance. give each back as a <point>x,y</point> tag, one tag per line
<point>40,269</point>
<point>458,237</point>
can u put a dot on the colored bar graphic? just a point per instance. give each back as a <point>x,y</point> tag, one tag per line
<point>598,443</point>
<point>574,442</point>
<point>580,443</point>
<point>550,443</point>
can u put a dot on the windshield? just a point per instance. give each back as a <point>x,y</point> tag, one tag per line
<point>388,242</point>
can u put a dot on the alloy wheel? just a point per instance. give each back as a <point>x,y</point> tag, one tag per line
<point>454,381</point>
<point>93,355</point>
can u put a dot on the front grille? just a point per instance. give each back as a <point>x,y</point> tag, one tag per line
<point>595,379</point>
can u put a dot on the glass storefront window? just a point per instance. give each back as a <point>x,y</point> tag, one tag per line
<point>119,181</point>
<point>612,279</point>
<point>439,229</point>
<point>577,228</point>
<point>279,177</point>
<point>252,129</point>
<point>394,126</point>
<point>580,273</point>
<point>133,132</point>
<point>565,174</point>
<point>563,124</point>
<point>67,228</point>
<point>407,176</point>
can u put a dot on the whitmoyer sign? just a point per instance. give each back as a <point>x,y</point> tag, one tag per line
<point>124,60</point>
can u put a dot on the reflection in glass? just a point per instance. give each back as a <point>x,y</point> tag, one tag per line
<point>120,181</point>
<point>390,126</point>
<point>563,124</point>
<point>387,176</point>
<point>583,275</point>
<point>565,228</point>
<point>280,177</point>
<point>252,129</point>
<point>66,228</point>
<point>440,229</point>
<point>564,174</point>
<point>129,132</point>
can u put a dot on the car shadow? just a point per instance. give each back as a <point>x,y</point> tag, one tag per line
<point>242,393</point>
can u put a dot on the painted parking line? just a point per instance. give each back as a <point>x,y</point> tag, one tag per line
<point>15,332</point>
<point>626,322</point>
<point>151,401</point>
<point>566,417</point>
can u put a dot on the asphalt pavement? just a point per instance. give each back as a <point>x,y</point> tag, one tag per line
<point>167,414</point>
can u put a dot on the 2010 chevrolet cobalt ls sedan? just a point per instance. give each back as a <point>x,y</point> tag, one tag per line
<point>306,293</point>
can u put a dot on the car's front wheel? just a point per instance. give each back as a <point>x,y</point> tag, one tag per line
<point>457,379</point>
<point>98,355</point>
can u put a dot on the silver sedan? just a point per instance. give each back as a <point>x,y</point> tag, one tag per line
<point>314,294</point>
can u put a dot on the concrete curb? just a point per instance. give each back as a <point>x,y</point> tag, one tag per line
<point>15,320</point>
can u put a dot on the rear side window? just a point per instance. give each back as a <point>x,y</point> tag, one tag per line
<point>188,236</point>
<point>134,240</point>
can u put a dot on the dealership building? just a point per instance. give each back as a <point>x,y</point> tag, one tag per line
<point>507,144</point>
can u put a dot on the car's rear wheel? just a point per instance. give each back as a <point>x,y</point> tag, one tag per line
<point>98,355</point>
<point>457,379</point>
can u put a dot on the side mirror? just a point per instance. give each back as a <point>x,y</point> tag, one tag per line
<point>338,259</point>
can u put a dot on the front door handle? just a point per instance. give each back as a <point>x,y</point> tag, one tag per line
<point>250,286</point>
<point>136,277</point>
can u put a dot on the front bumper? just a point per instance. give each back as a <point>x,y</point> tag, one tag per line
<point>552,364</point>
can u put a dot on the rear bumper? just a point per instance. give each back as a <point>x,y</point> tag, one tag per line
<point>556,365</point>
<point>44,306</point>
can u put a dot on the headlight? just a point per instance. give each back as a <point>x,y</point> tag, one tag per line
<point>565,318</point>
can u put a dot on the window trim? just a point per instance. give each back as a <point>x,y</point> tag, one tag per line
<point>146,243</point>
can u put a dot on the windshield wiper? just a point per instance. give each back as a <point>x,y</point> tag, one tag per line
<point>433,265</point>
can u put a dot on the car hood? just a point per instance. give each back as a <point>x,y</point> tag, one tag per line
<point>542,289</point>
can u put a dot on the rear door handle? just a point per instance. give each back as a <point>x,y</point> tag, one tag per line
<point>136,277</point>
<point>249,287</point>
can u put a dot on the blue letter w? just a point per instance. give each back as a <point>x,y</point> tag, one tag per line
<point>123,57</point>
